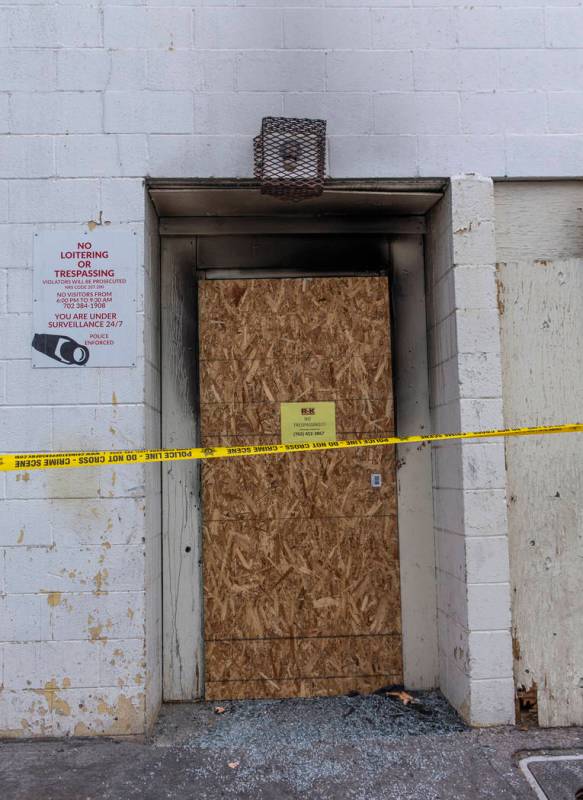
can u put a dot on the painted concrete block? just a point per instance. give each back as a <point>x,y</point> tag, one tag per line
<point>330,29</point>
<point>36,201</point>
<point>543,70</point>
<point>239,28</point>
<point>129,27</point>
<point>388,156</point>
<point>492,702</point>
<point>125,481</point>
<point>436,70</point>
<point>123,200</point>
<point>15,241</point>
<point>122,663</point>
<point>483,466</point>
<point>428,28</point>
<point>480,375</point>
<point>475,286</point>
<point>88,155</point>
<point>546,154</point>
<point>89,616</point>
<point>451,557</point>
<point>448,509</point>
<point>25,523</point>
<point>487,559</point>
<point>490,654</point>
<point>445,155</point>
<point>23,428</point>
<point>233,113</point>
<point>43,665</point>
<point>23,618</point>
<point>273,71</point>
<point>49,26</point>
<point>477,330</point>
<point>369,71</point>
<point>481,415</point>
<point>104,711</point>
<point>26,158</point>
<point>563,26</point>
<point>488,606</point>
<point>452,597</point>
<point>332,107</point>
<point>500,27</point>
<point>447,464</point>
<point>154,112</point>
<point>521,112</point>
<point>23,70</point>
<point>79,70</point>
<point>55,571</point>
<point>485,512</point>
<point>25,714</point>
<point>75,112</point>
<point>173,155</point>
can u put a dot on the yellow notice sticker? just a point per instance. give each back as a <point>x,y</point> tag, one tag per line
<point>308,422</point>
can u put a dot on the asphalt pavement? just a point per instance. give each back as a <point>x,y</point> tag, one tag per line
<point>371,747</point>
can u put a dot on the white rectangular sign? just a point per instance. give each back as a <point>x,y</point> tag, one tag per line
<point>84,310</point>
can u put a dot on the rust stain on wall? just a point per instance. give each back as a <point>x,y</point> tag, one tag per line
<point>96,223</point>
<point>95,632</point>
<point>54,702</point>
<point>81,729</point>
<point>54,598</point>
<point>499,292</point>
<point>516,648</point>
<point>99,579</point>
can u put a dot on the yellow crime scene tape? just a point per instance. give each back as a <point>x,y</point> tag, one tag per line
<point>95,458</point>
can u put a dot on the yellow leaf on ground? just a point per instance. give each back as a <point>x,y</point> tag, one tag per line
<point>404,697</point>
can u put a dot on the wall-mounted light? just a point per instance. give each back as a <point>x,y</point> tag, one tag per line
<point>290,157</point>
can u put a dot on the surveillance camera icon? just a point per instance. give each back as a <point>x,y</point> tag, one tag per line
<point>61,348</point>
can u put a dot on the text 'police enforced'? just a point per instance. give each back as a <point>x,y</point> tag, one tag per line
<point>84,299</point>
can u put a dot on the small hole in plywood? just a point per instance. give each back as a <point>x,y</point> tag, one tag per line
<point>187,549</point>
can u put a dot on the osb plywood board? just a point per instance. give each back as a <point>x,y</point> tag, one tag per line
<point>308,687</point>
<point>299,547</point>
<point>295,378</point>
<point>282,318</point>
<point>333,483</point>
<point>370,415</point>
<point>286,659</point>
<point>305,577</point>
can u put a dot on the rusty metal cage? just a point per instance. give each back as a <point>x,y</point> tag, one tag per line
<point>290,157</point>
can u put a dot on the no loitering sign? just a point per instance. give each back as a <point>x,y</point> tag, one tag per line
<point>84,309</point>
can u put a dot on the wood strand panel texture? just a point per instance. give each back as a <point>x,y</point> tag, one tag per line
<point>300,553</point>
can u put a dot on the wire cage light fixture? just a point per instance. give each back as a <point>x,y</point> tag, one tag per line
<point>290,157</point>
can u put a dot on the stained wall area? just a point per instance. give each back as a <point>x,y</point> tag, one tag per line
<point>79,579</point>
<point>539,246</point>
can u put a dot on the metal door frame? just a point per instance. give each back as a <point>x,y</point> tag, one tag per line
<point>182,613</point>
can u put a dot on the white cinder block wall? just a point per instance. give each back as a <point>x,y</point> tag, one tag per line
<point>469,478</point>
<point>95,97</point>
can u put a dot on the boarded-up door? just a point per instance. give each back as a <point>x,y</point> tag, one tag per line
<point>300,552</point>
